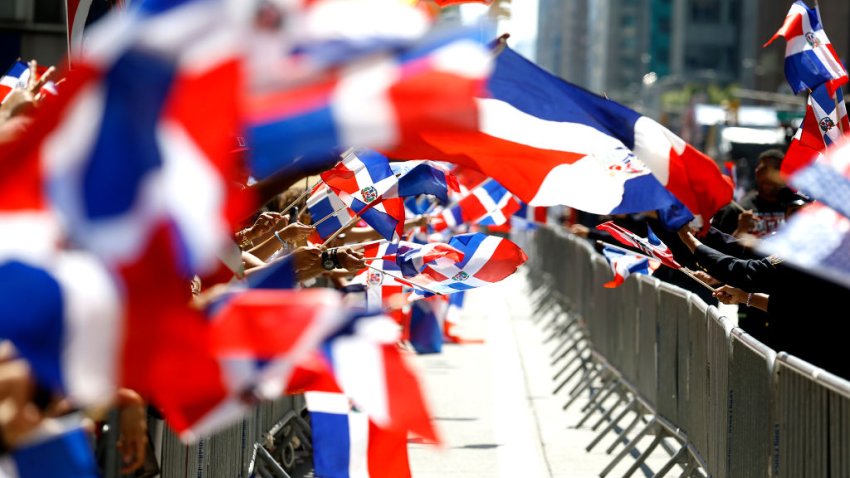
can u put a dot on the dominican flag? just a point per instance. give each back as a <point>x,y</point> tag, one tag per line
<point>58,448</point>
<point>63,311</point>
<point>425,177</point>
<point>531,214</point>
<point>412,258</point>
<point>370,370</point>
<point>364,175</point>
<point>828,179</point>
<point>375,102</point>
<point>816,239</point>
<point>624,263</point>
<point>426,331</point>
<point>80,15</point>
<point>150,107</point>
<point>553,143</point>
<point>488,204</point>
<point>15,77</point>
<point>257,337</point>
<point>385,216</point>
<point>328,211</point>
<point>346,444</point>
<point>825,123</point>
<point>381,288</point>
<point>486,260</point>
<point>446,3</point>
<point>810,59</point>
<point>650,245</point>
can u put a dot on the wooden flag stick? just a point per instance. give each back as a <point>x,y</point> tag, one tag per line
<point>296,201</point>
<point>329,216</point>
<point>738,206</point>
<point>693,276</point>
<point>364,244</point>
<point>402,279</point>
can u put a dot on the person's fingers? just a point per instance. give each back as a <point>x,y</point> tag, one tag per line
<point>43,79</point>
<point>33,78</point>
<point>133,453</point>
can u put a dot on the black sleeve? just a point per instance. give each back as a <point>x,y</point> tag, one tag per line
<point>726,220</point>
<point>727,244</point>
<point>751,275</point>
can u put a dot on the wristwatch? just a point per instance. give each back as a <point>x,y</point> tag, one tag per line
<point>335,258</point>
<point>327,261</point>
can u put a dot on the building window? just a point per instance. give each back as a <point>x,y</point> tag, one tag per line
<point>49,11</point>
<point>705,11</point>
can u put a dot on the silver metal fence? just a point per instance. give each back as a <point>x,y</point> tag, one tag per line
<point>243,450</point>
<point>729,404</point>
<point>812,429</point>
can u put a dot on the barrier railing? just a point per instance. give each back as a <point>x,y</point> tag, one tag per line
<point>655,360</point>
<point>266,444</point>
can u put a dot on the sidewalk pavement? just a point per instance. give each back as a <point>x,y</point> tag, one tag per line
<point>493,401</point>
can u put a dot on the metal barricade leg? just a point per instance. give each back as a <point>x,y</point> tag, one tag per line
<point>674,460</point>
<point>567,332</point>
<point>622,437</point>
<point>584,363</point>
<point>643,456</point>
<point>651,426</point>
<point>596,404</point>
<point>572,341</point>
<point>587,383</point>
<point>613,423</point>
<point>621,397</point>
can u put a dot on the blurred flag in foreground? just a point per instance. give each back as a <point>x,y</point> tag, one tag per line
<point>816,239</point>
<point>370,370</point>
<point>828,179</point>
<point>376,102</point>
<point>346,444</point>
<point>58,448</point>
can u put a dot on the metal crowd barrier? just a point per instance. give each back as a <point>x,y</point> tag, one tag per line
<point>269,443</point>
<point>654,360</point>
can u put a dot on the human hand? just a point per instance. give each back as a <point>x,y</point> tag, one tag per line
<point>23,100</point>
<point>579,230</point>
<point>731,295</point>
<point>133,428</point>
<point>296,232</point>
<point>747,221</point>
<point>308,262</point>
<point>18,414</point>
<point>350,259</point>
<point>265,223</point>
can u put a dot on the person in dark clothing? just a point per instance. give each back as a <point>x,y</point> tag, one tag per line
<point>797,303</point>
<point>764,207</point>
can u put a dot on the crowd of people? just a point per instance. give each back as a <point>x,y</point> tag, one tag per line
<point>783,306</point>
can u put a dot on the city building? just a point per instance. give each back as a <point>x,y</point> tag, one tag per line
<point>32,29</point>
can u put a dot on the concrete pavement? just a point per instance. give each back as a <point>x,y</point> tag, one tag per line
<point>493,401</point>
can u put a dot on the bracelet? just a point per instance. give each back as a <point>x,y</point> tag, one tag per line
<point>749,298</point>
<point>244,241</point>
<point>277,235</point>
